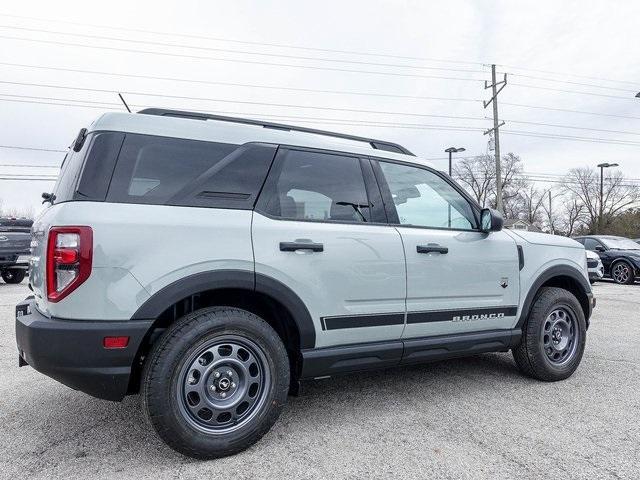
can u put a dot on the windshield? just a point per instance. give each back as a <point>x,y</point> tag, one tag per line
<point>620,243</point>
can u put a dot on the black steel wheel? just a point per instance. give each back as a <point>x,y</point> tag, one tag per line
<point>223,384</point>
<point>553,336</point>
<point>622,273</point>
<point>215,382</point>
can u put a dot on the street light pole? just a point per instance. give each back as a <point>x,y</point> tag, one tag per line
<point>451,151</point>
<point>602,166</point>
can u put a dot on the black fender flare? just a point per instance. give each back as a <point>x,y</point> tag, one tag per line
<point>545,276</point>
<point>236,279</point>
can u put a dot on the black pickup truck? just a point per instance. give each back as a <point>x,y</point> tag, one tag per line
<point>15,240</point>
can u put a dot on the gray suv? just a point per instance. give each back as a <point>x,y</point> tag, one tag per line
<point>211,264</point>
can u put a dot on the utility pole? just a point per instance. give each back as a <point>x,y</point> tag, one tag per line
<point>553,232</point>
<point>496,125</point>
<point>602,166</point>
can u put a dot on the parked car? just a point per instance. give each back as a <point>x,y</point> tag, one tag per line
<point>594,266</point>
<point>620,256</point>
<point>213,263</point>
<point>15,238</point>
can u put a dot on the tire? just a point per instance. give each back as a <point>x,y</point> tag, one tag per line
<point>13,275</point>
<point>622,273</point>
<point>196,354</point>
<point>541,353</point>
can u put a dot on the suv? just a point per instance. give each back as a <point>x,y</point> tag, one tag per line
<point>212,263</point>
<point>14,248</point>
<point>620,256</point>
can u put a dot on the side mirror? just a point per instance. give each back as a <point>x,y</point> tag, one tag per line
<point>490,220</point>
<point>599,248</point>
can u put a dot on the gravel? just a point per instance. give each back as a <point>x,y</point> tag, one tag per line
<point>472,418</point>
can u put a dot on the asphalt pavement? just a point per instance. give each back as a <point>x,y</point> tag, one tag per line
<point>472,418</point>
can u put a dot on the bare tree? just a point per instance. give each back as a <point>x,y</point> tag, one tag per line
<point>532,201</point>
<point>478,176</point>
<point>583,184</point>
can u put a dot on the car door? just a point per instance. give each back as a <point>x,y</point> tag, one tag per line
<point>459,279</point>
<point>319,230</point>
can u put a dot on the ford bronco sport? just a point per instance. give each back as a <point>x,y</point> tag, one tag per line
<point>212,263</point>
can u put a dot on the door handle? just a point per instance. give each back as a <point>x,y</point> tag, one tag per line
<point>293,246</point>
<point>432,248</point>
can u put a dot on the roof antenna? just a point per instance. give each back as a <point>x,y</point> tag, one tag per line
<point>125,103</point>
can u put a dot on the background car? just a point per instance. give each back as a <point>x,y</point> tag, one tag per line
<point>620,256</point>
<point>594,266</point>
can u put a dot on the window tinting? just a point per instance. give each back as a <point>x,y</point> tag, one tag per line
<point>425,199</point>
<point>318,186</point>
<point>98,167</point>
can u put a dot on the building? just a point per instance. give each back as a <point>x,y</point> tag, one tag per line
<point>517,224</point>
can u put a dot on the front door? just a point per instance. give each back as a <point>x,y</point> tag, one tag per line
<point>313,230</point>
<point>459,279</point>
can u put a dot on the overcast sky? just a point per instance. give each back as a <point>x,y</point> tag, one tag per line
<point>579,46</point>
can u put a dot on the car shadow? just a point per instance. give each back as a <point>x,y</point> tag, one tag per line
<point>74,425</point>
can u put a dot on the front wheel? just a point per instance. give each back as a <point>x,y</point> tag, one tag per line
<point>13,275</point>
<point>622,273</point>
<point>215,382</point>
<point>553,337</point>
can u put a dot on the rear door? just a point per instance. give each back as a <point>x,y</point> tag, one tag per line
<point>459,279</point>
<point>321,231</point>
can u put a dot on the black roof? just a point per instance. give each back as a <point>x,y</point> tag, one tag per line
<point>375,144</point>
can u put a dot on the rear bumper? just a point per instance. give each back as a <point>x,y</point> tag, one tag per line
<point>15,261</point>
<point>72,352</point>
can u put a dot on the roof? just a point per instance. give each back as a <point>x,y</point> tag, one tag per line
<point>213,128</point>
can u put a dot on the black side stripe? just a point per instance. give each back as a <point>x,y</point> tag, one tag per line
<point>357,321</point>
<point>385,319</point>
<point>468,314</point>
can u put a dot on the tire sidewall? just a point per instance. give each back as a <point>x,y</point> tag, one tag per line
<point>546,302</point>
<point>171,351</point>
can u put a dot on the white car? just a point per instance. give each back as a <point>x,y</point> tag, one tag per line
<point>594,266</point>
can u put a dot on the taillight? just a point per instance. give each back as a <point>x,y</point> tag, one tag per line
<point>69,255</point>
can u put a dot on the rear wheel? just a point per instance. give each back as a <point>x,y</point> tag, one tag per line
<point>554,336</point>
<point>215,382</point>
<point>622,273</point>
<point>13,275</point>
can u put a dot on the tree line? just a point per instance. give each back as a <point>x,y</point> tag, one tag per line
<point>570,207</point>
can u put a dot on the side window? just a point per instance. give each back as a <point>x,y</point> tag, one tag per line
<point>424,199</point>
<point>590,244</point>
<point>317,186</point>
<point>173,171</point>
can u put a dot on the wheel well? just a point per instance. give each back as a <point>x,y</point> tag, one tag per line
<point>572,285</point>
<point>262,305</point>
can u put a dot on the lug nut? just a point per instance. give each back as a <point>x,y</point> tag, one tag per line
<point>217,374</point>
<point>233,384</point>
<point>230,373</point>
<point>213,388</point>
<point>223,395</point>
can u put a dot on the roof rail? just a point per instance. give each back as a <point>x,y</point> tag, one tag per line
<point>375,144</point>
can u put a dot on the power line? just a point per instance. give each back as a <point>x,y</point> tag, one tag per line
<point>593,94</point>
<point>251,62</point>
<point>182,97</point>
<point>233,84</point>
<point>243,52</point>
<point>244,42</point>
<point>15,147</point>
<point>29,166</point>
<point>373,124</point>
<point>570,111</point>
<point>549,72</point>
<point>247,102</point>
<point>298,57</point>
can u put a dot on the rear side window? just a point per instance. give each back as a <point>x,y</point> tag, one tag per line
<point>316,186</point>
<point>172,171</point>
<point>591,244</point>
